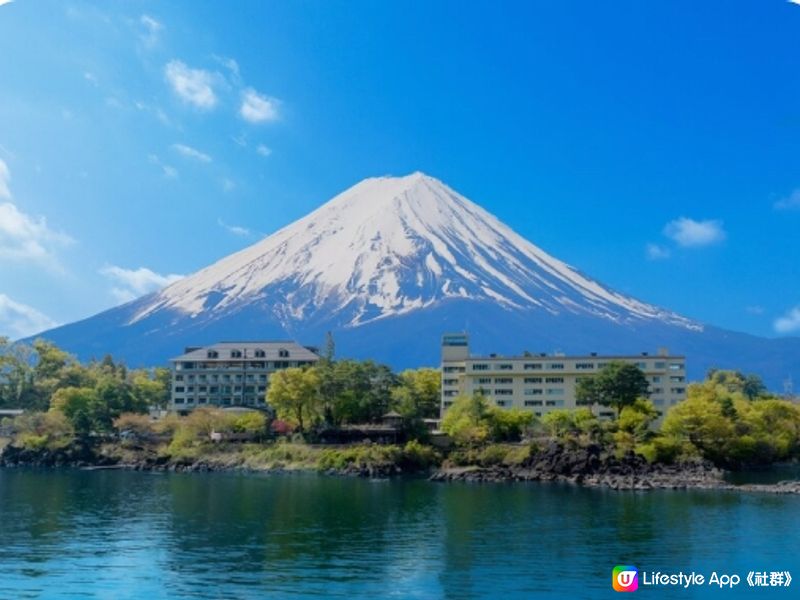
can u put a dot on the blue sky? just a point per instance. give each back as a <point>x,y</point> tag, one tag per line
<point>653,145</point>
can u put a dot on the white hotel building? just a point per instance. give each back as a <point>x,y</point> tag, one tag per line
<point>542,382</point>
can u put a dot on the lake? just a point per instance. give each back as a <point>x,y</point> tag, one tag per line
<point>118,534</point>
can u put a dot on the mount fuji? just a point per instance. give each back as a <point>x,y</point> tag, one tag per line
<point>388,266</point>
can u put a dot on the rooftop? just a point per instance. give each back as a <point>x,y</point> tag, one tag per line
<point>270,348</point>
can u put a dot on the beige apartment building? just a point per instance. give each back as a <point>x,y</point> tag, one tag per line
<point>232,373</point>
<point>544,382</point>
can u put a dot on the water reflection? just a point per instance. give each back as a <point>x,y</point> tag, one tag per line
<point>69,534</point>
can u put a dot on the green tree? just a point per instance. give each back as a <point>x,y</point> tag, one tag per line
<point>294,394</point>
<point>617,385</point>
<point>418,392</point>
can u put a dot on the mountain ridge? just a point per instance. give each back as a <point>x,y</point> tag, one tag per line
<point>408,257</point>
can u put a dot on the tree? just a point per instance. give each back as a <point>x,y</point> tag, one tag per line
<point>79,405</point>
<point>471,421</point>
<point>618,384</point>
<point>294,394</point>
<point>418,392</point>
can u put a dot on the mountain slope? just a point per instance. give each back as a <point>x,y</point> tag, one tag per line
<point>391,256</point>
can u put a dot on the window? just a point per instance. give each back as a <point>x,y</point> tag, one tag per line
<point>236,354</point>
<point>503,392</point>
<point>480,367</point>
<point>283,353</point>
<point>505,366</point>
<point>503,380</point>
<point>660,365</point>
<point>202,400</point>
<point>501,403</point>
<point>179,400</point>
<point>583,366</point>
<point>180,389</point>
<point>533,380</point>
<point>554,392</point>
<point>556,366</point>
<point>483,380</point>
<point>657,390</point>
<point>678,390</point>
<point>178,377</point>
<point>554,380</point>
<point>448,393</point>
<point>533,391</point>
<point>201,378</point>
<point>656,379</point>
<point>214,389</point>
<point>533,366</point>
<point>212,354</point>
<point>533,402</point>
<point>260,353</point>
<point>641,365</point>
<point>451,382</point>
<point>675,366</point>
<point>453,369</point>
<point>202,388</point>
<point>602,365</point>
<point>677,378</point>
<point>554,403</point>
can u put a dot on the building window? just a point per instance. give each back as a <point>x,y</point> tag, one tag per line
<point>212,354</point>
<point>236,354</point>
<point>533,392</point>
<point>533,380</point>
<point>283,353</point>
<point>260,353</point>
<point>554,380</point>
<point>503,392</point>
<point>641,365</point>
<point>554,392</point>
<point>656,379</point>
<point>501,403</point>
<point>202,400</point>
<point>556,366</point>
<point>451,382</point>
<point>449,393</point>
<point>533,402</point>
<point>178,377</point>
<point>678,390</point>
<point>483,380</point>
<point>180,389</point>
<point>554,403</point>
<point>675,366</point>
<point>660,365</point>
<point>602,365</point>
<point>505,367</point>
<point>179,400</point>
<point>677,378</point>
<point>453,369</point>
<point>533,366</point>
<point>584,366</point>
<point>503,380</point>
<point>480,367</point>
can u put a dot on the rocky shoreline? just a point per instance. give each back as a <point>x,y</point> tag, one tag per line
<point>591,467</point>
<point>587,466</point>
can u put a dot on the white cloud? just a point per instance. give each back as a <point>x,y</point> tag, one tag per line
<point>792,201</point>
<point>168,171</point>
<point>257,108</point>
<point>23,237</point>
<point>231,65</point>
<point>152,29</point>
<point>790,322</point>
<point>194,86</point>
<point>263,150</point>
<point>235,229</point>
<point>190,152</point>
<point>133,283</point>
<point>656,252</point>
<point>5,179</point>
<point>2,2</point>
<point>690,233</point>
<point>19,320</point>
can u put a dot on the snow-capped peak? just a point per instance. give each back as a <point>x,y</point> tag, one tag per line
<point>388,246</point>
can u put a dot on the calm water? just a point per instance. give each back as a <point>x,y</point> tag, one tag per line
<point>112,534</point>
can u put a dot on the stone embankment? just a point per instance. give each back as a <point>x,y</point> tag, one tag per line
<point>591,467</point>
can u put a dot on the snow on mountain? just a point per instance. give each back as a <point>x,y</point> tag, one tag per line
<point>389,246</point>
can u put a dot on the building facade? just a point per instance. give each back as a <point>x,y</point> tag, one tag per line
<point>232,373</point>
<point>541,383</point>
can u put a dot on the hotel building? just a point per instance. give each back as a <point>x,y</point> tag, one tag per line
<point>232,373</point>
<point>542,382</point>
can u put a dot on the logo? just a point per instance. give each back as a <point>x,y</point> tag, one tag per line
<point>625,579</point>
